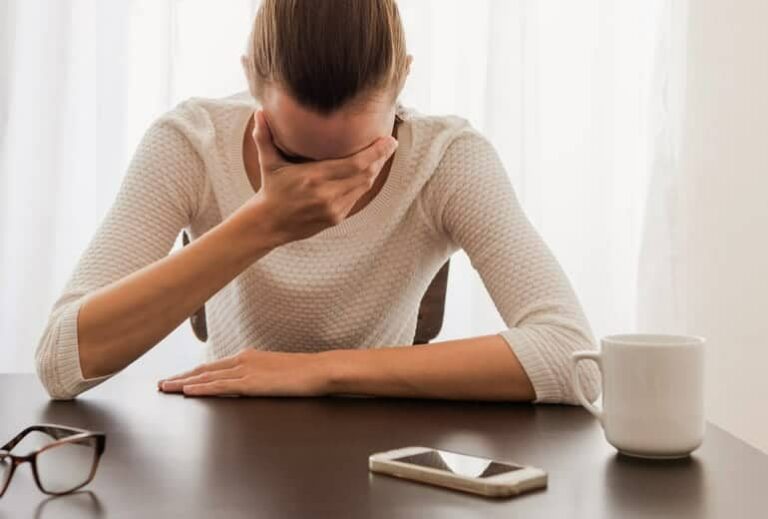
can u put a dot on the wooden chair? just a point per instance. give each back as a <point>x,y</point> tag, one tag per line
<point>429,319</point>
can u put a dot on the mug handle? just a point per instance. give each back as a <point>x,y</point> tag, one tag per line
<point>575,358</point>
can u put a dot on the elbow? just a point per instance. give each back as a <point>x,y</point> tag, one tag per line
<point>47,374</point>
<point>545,345</point>
<point>545,353</point>
<point>58,393</point>
<point>589,382</point>
<point>569,382</point>
<point>56,375</point>
<point>585,378</point>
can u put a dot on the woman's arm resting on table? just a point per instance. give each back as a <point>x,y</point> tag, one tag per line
<point>126,294</point>
<point>159,195</point>
<point>470,201</point>
<point>478,368</point>
<point>120,322</point>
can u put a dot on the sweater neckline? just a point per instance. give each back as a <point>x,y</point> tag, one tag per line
<point>367,217</point>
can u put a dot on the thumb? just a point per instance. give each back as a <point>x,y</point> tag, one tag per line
<point>269,157</point>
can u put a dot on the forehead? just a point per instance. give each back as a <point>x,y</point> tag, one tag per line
<point>299,131</point>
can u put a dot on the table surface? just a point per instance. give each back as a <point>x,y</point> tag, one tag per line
<point>171,456</point>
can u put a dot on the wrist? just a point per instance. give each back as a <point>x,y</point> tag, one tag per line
<point>249,229</point>
<point>337,368</point>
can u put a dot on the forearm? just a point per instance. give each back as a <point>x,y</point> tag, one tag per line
<point>120,322</point>
<point>477,368</point>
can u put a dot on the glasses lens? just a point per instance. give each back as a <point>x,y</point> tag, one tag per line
<point>66,466</point>
<point>5,469</point>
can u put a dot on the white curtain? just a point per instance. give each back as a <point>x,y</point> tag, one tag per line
<point>564,90</point>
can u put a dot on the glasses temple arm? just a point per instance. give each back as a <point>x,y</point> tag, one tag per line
<point>53,432</point>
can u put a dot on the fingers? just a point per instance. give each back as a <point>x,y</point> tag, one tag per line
<point>370,159</point>
<point>375,155</point>
<point>355,182</point>
<point>228,362</point>
<point>269,157</point>
<point>348,199</point>
<point>350,181</point>
<point>177,385</point>
<point>230,386</point>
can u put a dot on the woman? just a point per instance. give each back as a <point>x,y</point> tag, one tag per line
<point>320,210</point>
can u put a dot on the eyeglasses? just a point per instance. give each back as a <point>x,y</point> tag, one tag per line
<point>64,465</point>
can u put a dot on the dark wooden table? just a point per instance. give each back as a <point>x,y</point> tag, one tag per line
<point>170,456</point>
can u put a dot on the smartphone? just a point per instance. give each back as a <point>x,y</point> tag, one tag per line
<point>458,471</point>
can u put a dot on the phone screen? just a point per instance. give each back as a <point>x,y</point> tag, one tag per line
<point>461,464</point>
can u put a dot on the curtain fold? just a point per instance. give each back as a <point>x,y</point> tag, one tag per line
<point>563,90</point>
<point>661,299</point>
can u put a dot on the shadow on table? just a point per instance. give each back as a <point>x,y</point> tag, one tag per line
<point>668,488</point>
<point>79,413</point>
<point>83,504</point>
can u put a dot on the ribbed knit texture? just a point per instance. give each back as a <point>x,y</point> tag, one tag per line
<point>355,285</point>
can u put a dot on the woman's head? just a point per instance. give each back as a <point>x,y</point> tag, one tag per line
<point>327,73</point>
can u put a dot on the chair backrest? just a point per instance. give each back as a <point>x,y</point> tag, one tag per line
<point>429,319</point>
<point>432,307</point>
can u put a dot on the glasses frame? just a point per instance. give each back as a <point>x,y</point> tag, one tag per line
<point>61,434</point>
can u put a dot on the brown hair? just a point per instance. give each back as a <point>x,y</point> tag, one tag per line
<point>326,53</point>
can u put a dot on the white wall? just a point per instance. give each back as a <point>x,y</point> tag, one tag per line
<point>725,208</point>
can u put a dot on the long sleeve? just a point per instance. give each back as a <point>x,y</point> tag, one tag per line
<point>160,194</point>
<point>471,200</point>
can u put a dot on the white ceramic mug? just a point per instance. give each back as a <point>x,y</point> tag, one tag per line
<point>653,393</point>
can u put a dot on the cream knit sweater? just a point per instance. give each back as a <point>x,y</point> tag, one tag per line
<point>355,285</point>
